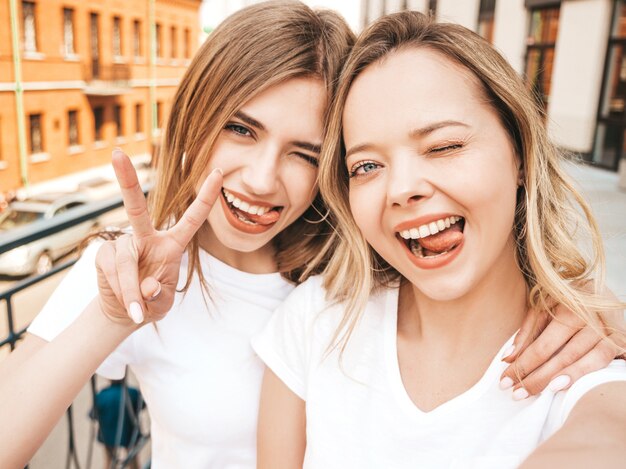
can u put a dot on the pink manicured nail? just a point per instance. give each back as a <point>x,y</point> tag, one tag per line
<point>520,394</point>
<point>559,383</point>
<point>156,293</point>
<point>508,352</point>
<point>135,312</point>
<point>218,170</point>
<point>506,383</point>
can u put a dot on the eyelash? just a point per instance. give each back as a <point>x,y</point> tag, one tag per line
<point>238,128</point>
<point>452,146</point>
<point>356,167</point>
<point>243,131</point>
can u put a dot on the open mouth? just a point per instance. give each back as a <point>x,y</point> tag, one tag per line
<point>434,239</point>
<point>251,214</point>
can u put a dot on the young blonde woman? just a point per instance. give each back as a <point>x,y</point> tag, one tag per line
<point>250,112</point>
<point>437,157</point>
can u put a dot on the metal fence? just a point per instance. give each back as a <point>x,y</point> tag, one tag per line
<point>38,230</point>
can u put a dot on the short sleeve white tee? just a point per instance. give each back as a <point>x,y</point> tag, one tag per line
<point>197,371</point>
<point>359,415</point>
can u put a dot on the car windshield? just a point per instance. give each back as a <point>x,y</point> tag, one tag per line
<point>16,218</point>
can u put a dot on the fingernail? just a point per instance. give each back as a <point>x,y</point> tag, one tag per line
<point>156,293</point>
<point>217,170</point>
<point>135,312</point>
<point>520,394</point>
<point>559,383</point>
<point>508,352</point>
<point>506,383</point>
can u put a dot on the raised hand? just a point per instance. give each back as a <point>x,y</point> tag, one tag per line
<point>138,272</point>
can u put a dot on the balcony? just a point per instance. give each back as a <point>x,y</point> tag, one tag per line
<point>106,79</point>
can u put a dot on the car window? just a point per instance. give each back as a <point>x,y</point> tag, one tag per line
<point>16,218</point>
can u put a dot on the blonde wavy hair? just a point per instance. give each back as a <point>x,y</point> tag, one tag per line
<point>550,212</point>
<point>252,50</point>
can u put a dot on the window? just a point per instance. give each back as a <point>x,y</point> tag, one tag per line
<point>610,138</point>
<point>159,42</point>
<point>28,27</point>
<point>187,43</point>
<point>159,113</point>
<point>173,38</point>
<point>117,115</point>
<point>544,26</point>
<point>485,19</point>
<point>138,118</point>
<point>94,44</point>
<point>98,122</point>
<point>136,38</point>
<point>117,36</point>
<point>35,134</point>
<point>68,32</point>
<point>72,128</point>
<point>432,7</point>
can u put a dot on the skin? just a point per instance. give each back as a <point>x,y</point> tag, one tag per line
<point>415,142</point>
<point>141,270</point>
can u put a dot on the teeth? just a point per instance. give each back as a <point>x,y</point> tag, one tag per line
<point>245,206</point>
<point>429,229</point>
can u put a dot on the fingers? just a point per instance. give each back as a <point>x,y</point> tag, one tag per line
<point>134,200</point>
<point>198,211</point>
<point>105,263</point>
<point>128,277</point>
<point>580,345</point>
<point>150,288</point>
<point>534,323</point>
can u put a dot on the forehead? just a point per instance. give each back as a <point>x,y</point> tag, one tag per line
<point>411,87</point>
<point>297,102</point>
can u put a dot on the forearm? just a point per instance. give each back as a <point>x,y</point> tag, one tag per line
<point>35,394</point>
<point>594,434</point>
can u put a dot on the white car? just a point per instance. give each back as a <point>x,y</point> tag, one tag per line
<point>39,256</point>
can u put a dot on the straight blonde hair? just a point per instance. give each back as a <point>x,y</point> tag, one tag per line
<point>550,212</point>
<point>256,48</point>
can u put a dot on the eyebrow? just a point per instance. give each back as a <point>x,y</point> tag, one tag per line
<point>312,147</point>
<point>415,133</point>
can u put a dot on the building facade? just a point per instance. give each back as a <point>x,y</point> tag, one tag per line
<point>80,77</point>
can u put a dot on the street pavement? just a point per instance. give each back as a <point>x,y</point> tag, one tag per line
<point>599,187</point>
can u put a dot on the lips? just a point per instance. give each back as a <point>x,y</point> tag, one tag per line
<point>249,216</point>
<point>432,241</point>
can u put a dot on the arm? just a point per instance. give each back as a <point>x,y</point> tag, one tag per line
<point>281,432</point>
<point>561,346</point>
<point>593,435</point>
<point>137,277</point>
<point>41,379</point>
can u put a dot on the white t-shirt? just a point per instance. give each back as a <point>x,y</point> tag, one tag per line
<point>198,374</point>
<point>359,415</point>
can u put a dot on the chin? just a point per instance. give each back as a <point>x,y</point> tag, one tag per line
<point>442,287</point>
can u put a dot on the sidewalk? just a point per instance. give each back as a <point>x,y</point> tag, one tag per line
<point>608,202</point>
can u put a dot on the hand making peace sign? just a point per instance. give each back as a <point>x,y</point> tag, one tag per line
<point>138,272</point>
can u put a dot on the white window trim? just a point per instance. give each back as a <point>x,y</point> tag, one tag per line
<point>39,157</point>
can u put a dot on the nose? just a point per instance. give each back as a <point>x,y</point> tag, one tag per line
<point>260,174</point>
<point>409,180</point>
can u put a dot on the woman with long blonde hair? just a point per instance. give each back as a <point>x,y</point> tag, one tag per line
<point>454,216</point>
<point>245,128</point>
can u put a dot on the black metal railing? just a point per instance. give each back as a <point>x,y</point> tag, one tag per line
<point>35,231</point>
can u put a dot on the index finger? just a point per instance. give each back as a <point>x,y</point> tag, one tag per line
<point>197,213</point>
<point>132,195</point>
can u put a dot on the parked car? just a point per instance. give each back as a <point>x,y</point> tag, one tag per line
<point>39,256</point>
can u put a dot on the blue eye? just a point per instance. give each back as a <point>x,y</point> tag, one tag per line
<point>238,129</point>
<point>363,167</point>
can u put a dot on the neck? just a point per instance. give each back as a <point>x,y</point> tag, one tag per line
<point>259,261</point>
<point>481,320</point>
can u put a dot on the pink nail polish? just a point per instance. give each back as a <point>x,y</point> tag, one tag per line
<point>559,383</point>
<point>520,394</point>
<point>506,383</point>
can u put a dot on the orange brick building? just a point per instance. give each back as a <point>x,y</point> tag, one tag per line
<point>95,74</point>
